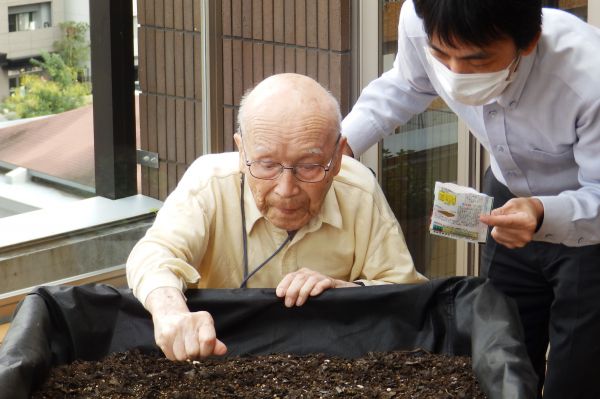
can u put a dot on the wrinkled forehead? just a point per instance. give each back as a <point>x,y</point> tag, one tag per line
<point>300,133</point>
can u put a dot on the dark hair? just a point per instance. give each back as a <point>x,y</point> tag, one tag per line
<point>481,22</point>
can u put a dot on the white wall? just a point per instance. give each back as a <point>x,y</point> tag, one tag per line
<point>77,10</point>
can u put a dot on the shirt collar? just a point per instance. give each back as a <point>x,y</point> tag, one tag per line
<point>512,94</point>
<point>330,211</point>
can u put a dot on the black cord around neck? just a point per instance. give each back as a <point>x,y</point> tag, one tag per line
<point>244,234</point>
<point>245,241</point>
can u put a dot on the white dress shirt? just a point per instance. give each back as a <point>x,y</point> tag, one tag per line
<point>542,133</point>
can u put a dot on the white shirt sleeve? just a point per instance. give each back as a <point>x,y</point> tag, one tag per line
<point>392,99</point>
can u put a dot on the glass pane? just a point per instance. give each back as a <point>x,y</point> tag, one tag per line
<point>46,117</point>
<point>419,153</point>
<point>575,7</point>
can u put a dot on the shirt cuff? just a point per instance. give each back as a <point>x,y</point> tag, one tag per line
<point>557,225</point>
<point>158,279</point>
<point>360,132</point>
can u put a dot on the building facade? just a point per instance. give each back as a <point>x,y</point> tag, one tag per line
<point>27,29</point>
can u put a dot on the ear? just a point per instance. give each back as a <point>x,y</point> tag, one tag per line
<point>531,46</point>
<point>238,142</point>
<point>339,155</point>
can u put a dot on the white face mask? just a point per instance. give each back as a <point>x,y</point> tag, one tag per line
<point>471,88</point>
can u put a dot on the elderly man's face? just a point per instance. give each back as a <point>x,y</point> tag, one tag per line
<point>285,201</point>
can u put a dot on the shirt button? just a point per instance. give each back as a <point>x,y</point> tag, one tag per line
<point>492,114</point>
<point>580,241</point>
<point>500,148</point>
<point>548,236</point>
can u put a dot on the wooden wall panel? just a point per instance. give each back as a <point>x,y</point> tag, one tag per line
<point>257,19</point>
<point>179,65</point>
<point>188,15</point>
<point>160,61</point>
<point>312,37</point>
<point>256,39</point>
<point>226,17</point>
<point>171,155</point>
<point>257,62</point>
<point>289,22</point>
<point>151,60</point>
<point>267,18</point>
<point>178,14</point>
<point>161,127</point>
<point>179,149</point>
<point>188,45</point>
<point>300,23</point>
<point>227,71</point>
<point>141,12</point>
<point>278,21</point>
<point>198,123</point>
<point>247,67</point>
<point>236,18</point>
<point>247,19</point>
<point>169,14</point>
<point>323,23</point>
<point>142,61</point>
<point>170,62</point>
<point>190,141</point>
<point>159,12</point>
<point>143,121</point>
<point>150,12</point>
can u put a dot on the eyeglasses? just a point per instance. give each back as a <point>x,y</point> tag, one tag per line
<point>305,172</point>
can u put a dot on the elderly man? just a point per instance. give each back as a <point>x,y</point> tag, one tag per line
<point>287,211</point>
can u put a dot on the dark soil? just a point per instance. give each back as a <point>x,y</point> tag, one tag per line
<point>378,375</point>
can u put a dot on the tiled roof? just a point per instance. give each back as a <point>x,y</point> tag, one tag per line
<point>60,145</point>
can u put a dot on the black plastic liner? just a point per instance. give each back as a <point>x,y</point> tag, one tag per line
<point>456,316</point>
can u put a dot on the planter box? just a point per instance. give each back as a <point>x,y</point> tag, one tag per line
<point>456,316</point>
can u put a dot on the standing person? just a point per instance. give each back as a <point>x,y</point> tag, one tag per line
<point>287,211</point>
<point>527,83</point>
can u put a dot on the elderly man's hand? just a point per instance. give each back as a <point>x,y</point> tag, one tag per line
<point>515,222</point>
<point>191,335</point>
<point>296,287</point>
<point>179,333</point>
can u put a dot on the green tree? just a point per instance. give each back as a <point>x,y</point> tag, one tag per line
<point>73,47</point>
<point>38,96</point>
<point>57,88</point>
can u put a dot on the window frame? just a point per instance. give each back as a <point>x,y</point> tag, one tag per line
<point>113,90</point>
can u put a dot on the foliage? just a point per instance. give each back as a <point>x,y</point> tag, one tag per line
<point>57,89</point>
<point>38,96</point>
<point>73,48</point>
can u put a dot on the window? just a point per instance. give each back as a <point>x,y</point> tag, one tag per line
<point>418,154</point>
<point>75,239</point>
<point>22,21</point>
<point>29,17</point>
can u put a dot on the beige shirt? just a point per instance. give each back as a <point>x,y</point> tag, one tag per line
<point>197,234</point>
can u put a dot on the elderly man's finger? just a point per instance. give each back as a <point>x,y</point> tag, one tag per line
<point>322,285</point>
<point>306,289</point>
<point>168,351</point>
<point>220,348</point>
<point>179,349</point>
<point>284,285</point>
<point>207,339</point>
<point>293,291</point>
<point>192,345</point>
